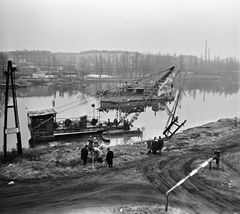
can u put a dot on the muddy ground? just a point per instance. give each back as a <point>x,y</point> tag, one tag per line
<point>138,182</point>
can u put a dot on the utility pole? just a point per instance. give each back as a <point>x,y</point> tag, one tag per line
<point>15,130</point>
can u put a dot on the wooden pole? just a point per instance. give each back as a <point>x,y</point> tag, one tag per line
<point>15,108</point>
<point>166,209</point>
<point>6,113</point>
<point>16,129</point>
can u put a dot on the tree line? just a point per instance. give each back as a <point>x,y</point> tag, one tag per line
<point>121,63</point>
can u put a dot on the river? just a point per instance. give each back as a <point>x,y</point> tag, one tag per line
<point>201,101</point>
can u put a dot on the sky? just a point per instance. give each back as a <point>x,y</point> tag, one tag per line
<point>166,26</point>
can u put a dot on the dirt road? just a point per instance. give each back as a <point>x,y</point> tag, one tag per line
<point>138,186</point>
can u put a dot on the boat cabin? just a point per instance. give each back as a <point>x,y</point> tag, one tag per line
<point>137,90</point>
<point>41,120</point>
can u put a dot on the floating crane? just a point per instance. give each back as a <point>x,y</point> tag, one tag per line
<point>162,87</point>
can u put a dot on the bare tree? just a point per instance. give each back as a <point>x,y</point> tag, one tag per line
<point>3,64</point>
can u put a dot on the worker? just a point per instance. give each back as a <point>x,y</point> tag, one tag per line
<point>108,122</point>
<point>99,154</point>
<point>154,145</point>
<point>149,146</point>
<point>95,142</point>
<point>84,154</point>
<point>160,144</point>
<point>90,143</point>
<point>109,158</point>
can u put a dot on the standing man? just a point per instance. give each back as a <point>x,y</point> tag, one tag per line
<point>90,143</point>
<point>84,154</point>
<point>154,145</point>
<point>109,158</point>
<point>99,154</point>
<point>235,122</point>
<point>149,146</point>
<point>95,142</point>
<point>160,144</point>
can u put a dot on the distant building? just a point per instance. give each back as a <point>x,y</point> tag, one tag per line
<point>97,76</point>
<point>25,68</point>
<point>187,61</point>
<point>40,74</point>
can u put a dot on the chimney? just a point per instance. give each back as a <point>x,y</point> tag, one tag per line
<point>208,54</point>
<point>206,50</point>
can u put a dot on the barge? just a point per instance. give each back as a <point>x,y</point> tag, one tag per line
<point>155,89</point>
<point>44,126</point>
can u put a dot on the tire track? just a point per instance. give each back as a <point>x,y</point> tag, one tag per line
<point>170,169</point>
<point>126,184</point>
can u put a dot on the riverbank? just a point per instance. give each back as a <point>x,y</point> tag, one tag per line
<point>54,180</point>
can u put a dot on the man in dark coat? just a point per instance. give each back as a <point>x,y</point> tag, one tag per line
<point>149,146</point>
<point>154,145</point>
<point>84,154</point>
<point>160,144</point>
<point>109,158</point>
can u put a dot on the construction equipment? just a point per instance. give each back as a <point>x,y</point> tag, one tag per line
<point>173,120</point>
<point>162,87</point>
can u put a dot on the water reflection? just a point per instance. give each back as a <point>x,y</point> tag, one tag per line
<point>134,106</point>
<point>215,86</point>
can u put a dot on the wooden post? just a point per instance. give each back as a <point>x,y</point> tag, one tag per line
<point>16,129</point>
<point>15,108</point>
<point>166,208</point>
<point>217,157</point>
<point>6,113</point>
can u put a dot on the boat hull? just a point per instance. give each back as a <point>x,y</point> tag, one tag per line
<point>119,132</point>
<point>126,99</point>
<point>106,136</point>
<point>58,133</point>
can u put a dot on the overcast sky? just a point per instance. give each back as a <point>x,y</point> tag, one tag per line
<point>173,26</point>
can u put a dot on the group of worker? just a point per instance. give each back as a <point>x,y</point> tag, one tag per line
<point>93,148</point>
<point>155,145</point>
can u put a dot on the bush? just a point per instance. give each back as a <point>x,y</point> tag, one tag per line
<point>32,154</point>
<point>10,157</point>
<point>70,162</point>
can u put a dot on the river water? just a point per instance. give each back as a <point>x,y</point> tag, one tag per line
<point>201,102</point>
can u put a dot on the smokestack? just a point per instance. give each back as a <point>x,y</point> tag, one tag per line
<point>206,50</point>
<point>208,54</point>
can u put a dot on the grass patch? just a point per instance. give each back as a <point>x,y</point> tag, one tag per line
<point>61,161</point>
